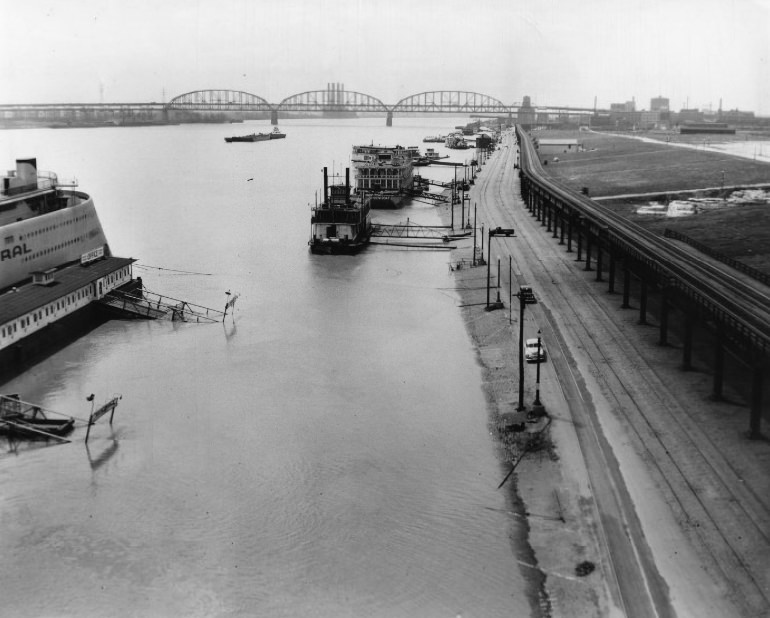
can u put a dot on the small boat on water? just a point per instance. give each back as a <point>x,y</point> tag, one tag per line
<point>254,137</point>
<point>431,153</point>
<point>24,420</point>
<point>257,137</point>
<point>439,139</point>
<point>341,224</point>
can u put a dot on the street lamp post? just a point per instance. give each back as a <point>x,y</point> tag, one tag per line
<point>522,303</point>
<point>496,232</point>
<point>510,288</point>
<point>474,234</point>
<point>537,382</point>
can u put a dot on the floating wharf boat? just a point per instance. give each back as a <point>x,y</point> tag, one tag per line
<point>384,173</point>
<point>341,224</point>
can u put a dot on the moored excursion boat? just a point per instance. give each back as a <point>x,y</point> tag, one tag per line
<point>54,266</point>
<point>456,141</point>
<point>385,173</point>
<point>341,224</point>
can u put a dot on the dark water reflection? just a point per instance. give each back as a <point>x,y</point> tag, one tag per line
<point>324,452</point>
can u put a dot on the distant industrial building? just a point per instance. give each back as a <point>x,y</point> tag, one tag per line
<point>628,106</point>
<point>526,113</point>
<point>659,104</point>
<point>689,115</point>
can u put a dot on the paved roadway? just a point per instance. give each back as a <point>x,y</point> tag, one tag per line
<point>624,413</point>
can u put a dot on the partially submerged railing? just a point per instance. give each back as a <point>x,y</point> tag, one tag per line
<point>154,306</point>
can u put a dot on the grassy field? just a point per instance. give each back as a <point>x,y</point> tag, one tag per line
<point>615,165</point>
<point>612,165</point>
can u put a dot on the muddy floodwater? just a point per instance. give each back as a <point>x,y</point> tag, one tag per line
<point>323,452</point>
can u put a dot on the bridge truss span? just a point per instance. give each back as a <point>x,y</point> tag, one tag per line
<point>332,100</point>
<point>452,101</point>
<point>220,100</point>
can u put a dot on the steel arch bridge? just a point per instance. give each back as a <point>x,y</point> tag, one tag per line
<point>341,100</point>
<point>451,101</point>
<point>219,101</point>
<point>332,100</point>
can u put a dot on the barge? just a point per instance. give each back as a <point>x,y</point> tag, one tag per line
<point>276,133</point>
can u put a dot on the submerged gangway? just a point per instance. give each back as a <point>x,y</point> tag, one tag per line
<point>410,230</point>
<point>153,306</point>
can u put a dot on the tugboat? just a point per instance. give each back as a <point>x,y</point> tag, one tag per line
<point>341,223</point>
<point>277,134</point>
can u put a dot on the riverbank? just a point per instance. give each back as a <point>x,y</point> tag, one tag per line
<point>542,470</point>
<point>603,385</point>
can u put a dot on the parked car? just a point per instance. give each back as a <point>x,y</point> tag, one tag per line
<point>527,294</point>
<point>530,350</point>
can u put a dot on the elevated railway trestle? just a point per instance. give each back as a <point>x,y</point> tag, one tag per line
<point>669,285</point>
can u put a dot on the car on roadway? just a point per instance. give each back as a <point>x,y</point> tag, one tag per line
<point>527,294</point>
<point>530,351</point>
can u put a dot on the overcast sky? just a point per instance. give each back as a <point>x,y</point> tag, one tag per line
<point>559,52</point>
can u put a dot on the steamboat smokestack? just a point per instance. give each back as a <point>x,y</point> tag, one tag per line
<point>326,186</point>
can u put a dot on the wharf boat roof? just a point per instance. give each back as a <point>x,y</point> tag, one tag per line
<point>28,297</point>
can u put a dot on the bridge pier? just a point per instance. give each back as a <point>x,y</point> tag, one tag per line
<point>274,116</point>
<point>389,120</point>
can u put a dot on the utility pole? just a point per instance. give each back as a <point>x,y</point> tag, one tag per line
<point>522,303</point>
<point>537,381</point>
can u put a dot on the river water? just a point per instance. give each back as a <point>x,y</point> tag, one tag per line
<point>323,452</point>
